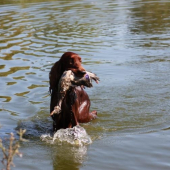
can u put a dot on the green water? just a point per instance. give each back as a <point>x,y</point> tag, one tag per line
<point>126,43</point>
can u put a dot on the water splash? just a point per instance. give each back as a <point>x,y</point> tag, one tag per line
<point>74,136</point>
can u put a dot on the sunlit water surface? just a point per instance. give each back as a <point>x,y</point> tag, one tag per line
<point>126,43</point>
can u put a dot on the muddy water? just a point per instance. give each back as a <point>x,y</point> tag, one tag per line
<point>126,43</point>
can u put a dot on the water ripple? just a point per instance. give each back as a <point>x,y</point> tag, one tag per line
<point>119,40</point>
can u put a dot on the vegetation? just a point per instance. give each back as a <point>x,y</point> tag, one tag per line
<point>12,149</point>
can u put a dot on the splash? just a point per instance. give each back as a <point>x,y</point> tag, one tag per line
<point>74,136</point>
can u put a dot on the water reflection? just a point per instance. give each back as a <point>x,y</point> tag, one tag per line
<point>151,21</point>
<point>151,18</point>
<point>7,98</point>
<point>13,70</point>
<point>64,155</point>
<point>69,147</point>
<point>69,157</point>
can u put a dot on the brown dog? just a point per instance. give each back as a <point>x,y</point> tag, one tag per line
<point>76,104</point>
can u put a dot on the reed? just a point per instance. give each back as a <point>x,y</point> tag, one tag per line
<point>11,149</point>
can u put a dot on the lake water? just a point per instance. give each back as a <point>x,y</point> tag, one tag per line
<point>126,43</point>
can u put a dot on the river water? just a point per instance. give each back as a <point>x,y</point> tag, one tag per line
<point>126,43</point>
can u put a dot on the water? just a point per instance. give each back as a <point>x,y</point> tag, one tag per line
<point>126,43</point>
<point>75,136</point>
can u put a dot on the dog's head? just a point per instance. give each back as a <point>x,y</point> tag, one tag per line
<point>68,61</point>
<point>72,61</point>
